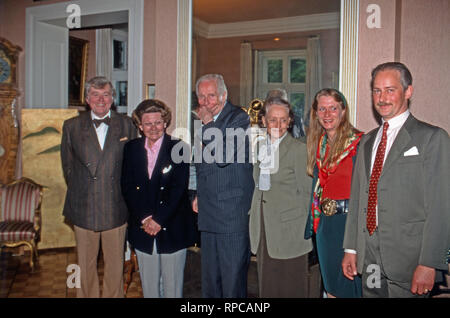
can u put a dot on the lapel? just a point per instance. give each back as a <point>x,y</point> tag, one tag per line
<point>400,144</point>
<point>112,135</point>
<point>90,141</point>
<point>284,146</point>
<point>226,109</point>
<point>162,159</point>
<point>282,150</point>
<point>368,146</point>
<point>141,158</point>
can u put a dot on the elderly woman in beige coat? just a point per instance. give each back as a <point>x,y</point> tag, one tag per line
<point>280,206</point>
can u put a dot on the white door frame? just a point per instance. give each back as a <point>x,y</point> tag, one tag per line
<point>48,12</point>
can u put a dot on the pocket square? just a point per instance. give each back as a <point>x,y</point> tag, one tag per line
<point>167,169</point>
<point>411,152</point>
<point>123,139</point>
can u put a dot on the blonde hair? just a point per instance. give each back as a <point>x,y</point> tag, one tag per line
<point>315,130</point>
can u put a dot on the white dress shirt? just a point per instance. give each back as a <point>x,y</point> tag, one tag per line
<point>101,130</point>
<point>395,124</point>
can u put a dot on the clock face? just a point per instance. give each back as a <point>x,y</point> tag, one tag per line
<point>5,69</point>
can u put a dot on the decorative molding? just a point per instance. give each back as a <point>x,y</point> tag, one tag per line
<point>348,55</point>
<point>184,56</point>
<point>321,21</point>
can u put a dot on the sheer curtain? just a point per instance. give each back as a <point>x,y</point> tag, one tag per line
<point>313,74</point>
<point>246,74</point>
<point>104,52</point>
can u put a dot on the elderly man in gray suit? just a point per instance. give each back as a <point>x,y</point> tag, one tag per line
<point>224,190</point>
<point>91,154</point>
<point>397,230</point>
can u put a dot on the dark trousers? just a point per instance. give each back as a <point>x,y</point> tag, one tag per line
<point>281,278</point>
<point>225,260</point>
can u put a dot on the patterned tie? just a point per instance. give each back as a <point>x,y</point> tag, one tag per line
<point>376,172</point>
<point>98,122</point>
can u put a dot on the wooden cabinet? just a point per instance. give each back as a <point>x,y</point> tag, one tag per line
<point>9,126</point>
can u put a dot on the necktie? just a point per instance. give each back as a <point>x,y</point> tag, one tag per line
<point>376,172</point>
<point>98,122</point>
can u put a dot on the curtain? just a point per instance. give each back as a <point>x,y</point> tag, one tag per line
<point>313,74</point>
<point>104,52</point>
<point>194,62</point>
<point>246,74</point>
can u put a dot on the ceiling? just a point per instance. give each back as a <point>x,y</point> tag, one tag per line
<point>225,11</point>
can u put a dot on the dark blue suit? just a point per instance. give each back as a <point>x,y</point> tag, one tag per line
<point>164,196</point>
<point>224,192</point>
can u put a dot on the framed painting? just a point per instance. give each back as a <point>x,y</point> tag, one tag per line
<point>78,63</point>
<point>150,91</point>
<point>120,55</point>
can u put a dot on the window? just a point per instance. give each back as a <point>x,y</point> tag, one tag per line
<point>282,69</point>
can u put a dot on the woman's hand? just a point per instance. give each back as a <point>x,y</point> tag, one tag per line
<point>151,227</point>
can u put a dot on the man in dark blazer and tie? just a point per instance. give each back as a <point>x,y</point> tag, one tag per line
<point>397,230</point>
<point>91,154</point>
<point>224,190</point>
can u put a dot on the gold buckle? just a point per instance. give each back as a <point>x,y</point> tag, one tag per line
<point>329,207</point>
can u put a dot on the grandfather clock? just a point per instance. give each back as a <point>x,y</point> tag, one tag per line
<point>9,127</point>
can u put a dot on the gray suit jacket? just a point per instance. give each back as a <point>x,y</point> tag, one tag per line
<point>413,201</point>
<point>224,188</point>
<point>285,205</point>
<point>94,199</point>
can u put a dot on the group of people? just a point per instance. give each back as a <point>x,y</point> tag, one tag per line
<point>372,208</point>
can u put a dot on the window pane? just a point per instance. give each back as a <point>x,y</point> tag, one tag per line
<point>298,107</point>
<point>274,71</point>
<point>298,71</point>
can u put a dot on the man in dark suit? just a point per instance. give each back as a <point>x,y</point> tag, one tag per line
<point>224,190</point>
<point>91,153</point>
<point>397,230</point>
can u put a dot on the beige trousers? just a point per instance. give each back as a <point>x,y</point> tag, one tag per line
<point>113,248</point>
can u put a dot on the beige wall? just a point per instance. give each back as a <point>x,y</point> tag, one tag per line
<point>223,55</point>
<point>165,51</point>
<point>160,42</point>
<point>425,48</point>
<point>414,32</point>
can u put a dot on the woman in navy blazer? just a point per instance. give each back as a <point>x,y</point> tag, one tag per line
<point>161,223</point>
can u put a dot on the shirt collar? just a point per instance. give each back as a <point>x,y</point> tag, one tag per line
<point>155,146</point>
<point>218,114</point>
<point>397,121</point>
<point>94,116</point>
<point>277,141</point>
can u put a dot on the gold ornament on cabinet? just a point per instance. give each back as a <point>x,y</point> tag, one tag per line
<point>9,131</point>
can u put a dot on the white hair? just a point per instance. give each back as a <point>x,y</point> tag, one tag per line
<point>221,87</point>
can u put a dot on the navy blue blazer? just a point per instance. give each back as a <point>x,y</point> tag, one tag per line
<point>225,189</point>
<point>164,196</point>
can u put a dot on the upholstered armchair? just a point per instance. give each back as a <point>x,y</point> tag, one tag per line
<point>20,215</point>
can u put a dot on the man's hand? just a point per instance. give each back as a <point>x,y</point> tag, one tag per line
<point>204,114</point>
<point>195,205</point>
<point>349,265</point>
<point>423,280</point>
